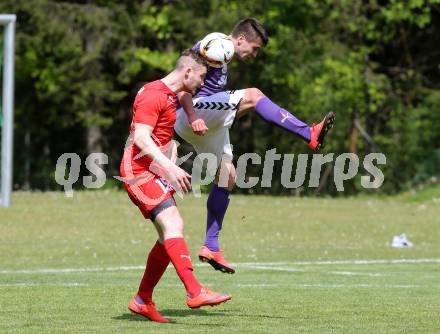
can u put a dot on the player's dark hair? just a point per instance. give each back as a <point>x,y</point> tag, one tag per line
<point>194,55</point>
<point>251,29</point>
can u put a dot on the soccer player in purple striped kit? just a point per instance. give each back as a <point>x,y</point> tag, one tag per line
<point>215,109</point>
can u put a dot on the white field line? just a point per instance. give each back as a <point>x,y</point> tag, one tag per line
<point>354,262</point>
<point>343,273</point>
<point>260,267</point>
<point>70,270</point>
<point>351,273</point>
<point>250,265</point>
<point>14,285</point>
<point>345,286</point>
<point>241,286</point>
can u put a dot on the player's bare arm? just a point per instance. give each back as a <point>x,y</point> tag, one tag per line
<point>198,125</point>
<point>162,165</point>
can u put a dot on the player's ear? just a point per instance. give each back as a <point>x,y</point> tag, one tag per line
<point>188,72</point>
<point>241,38</point>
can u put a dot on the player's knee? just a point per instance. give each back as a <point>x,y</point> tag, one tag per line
<point>252,96</point>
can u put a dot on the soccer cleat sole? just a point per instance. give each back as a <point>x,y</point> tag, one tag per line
<point>217,266</point>
<point>329,121</point>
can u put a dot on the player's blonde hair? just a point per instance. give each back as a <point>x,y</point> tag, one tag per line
<point>188,57</point>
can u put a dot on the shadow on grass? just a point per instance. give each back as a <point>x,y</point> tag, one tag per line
<point>166,313</point>
<point>189,312</point>
<point>171,313</point>
<point>198,313</point>
<point>229,312</point>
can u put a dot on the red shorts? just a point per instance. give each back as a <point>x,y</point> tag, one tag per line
<point>149,193</point>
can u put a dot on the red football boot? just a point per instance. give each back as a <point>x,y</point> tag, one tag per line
<point>215,259</point>
<point>146,309</point>
<point>207,297</point>
<point>318,131</point>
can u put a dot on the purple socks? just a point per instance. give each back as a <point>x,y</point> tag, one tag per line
<point>273,113</point>
<point>217,205</point>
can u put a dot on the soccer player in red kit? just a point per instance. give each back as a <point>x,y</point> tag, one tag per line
<point>151,177</point>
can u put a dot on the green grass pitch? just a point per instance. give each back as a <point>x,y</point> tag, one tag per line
<point>303,266</point>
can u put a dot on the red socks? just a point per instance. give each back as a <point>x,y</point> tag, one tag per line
<point>157,263</point>
<point>174,249</point>
<point>179,255</point>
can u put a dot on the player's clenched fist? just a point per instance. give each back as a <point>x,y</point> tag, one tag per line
<point>199,127</point>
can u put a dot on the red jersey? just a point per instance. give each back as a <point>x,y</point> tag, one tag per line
<point>154,105</point>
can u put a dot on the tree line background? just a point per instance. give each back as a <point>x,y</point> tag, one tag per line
<point>374,63</point>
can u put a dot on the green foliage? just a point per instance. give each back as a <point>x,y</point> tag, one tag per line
<point>79,65</point>
<point>157,59</point>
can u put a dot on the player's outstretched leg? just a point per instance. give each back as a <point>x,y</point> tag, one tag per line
<point>313,134</point>
<point>271,112</point>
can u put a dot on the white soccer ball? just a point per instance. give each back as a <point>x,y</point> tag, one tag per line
<point>217,49</point>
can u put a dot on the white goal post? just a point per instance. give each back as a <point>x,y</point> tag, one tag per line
<point>7,127</point>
